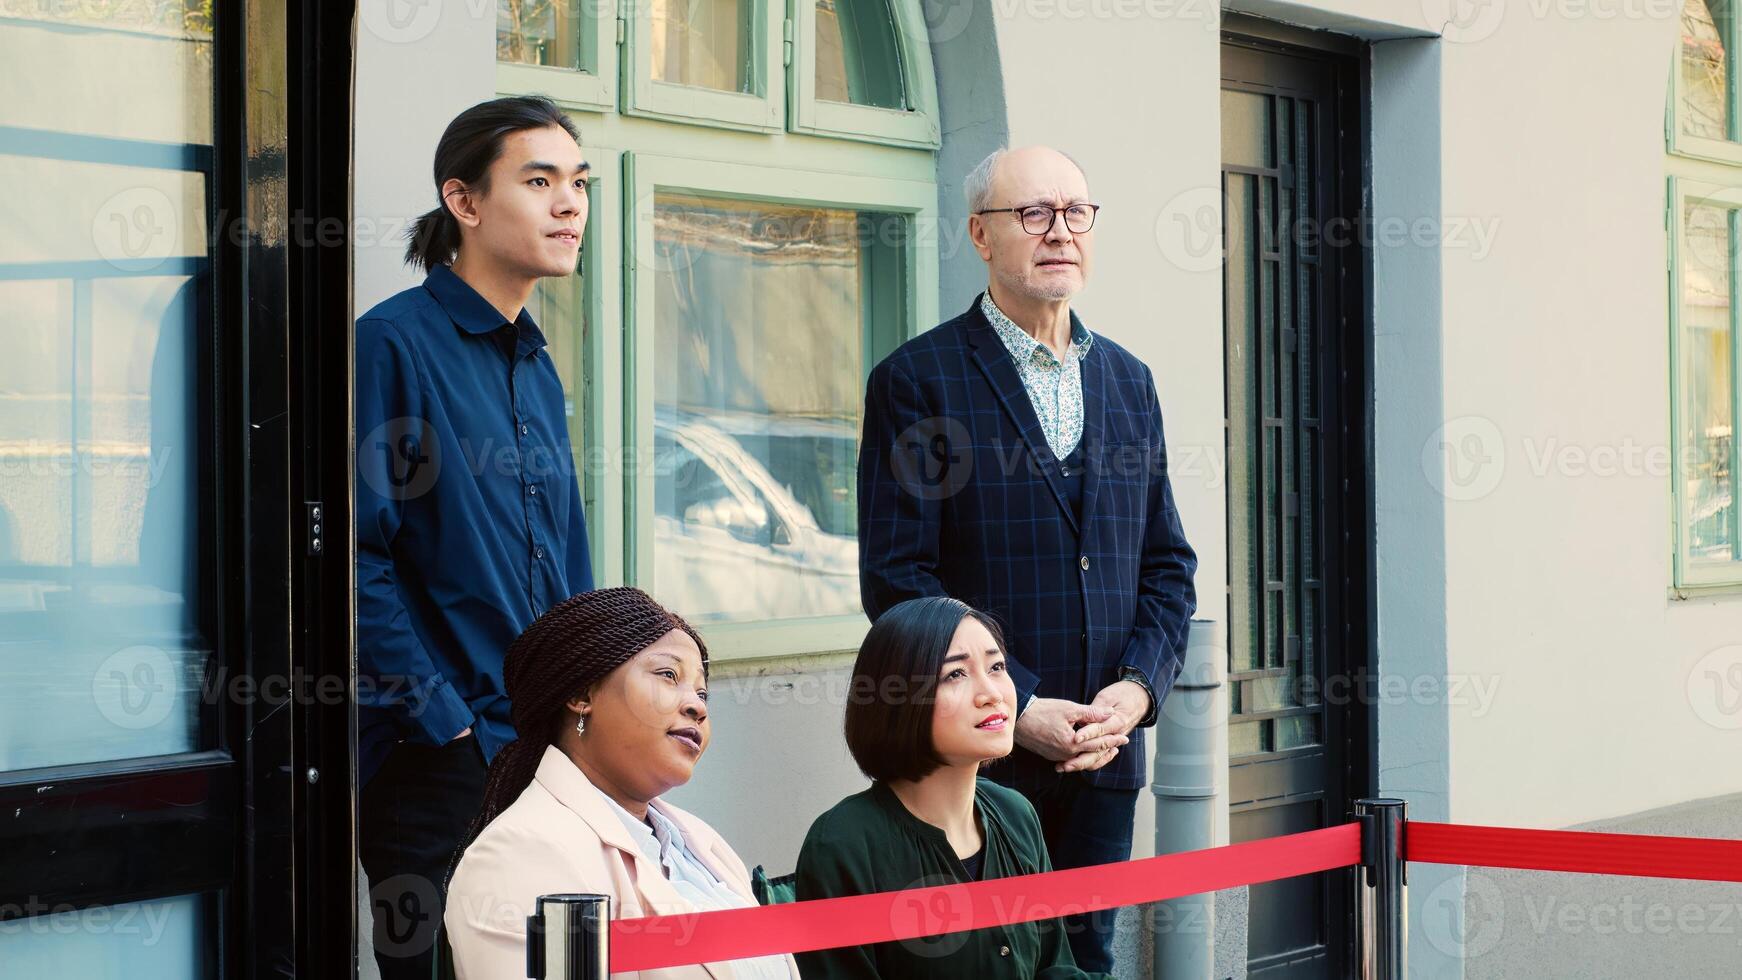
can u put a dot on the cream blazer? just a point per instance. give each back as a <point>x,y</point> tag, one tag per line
<point>562,836</point>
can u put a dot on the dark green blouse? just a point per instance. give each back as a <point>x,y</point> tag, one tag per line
<point>870,843</point>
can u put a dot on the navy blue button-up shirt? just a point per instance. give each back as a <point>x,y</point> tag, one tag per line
<point>469,521</point>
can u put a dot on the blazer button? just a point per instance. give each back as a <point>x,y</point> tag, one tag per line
<point>1004,951</point>
<point>1084,562</point>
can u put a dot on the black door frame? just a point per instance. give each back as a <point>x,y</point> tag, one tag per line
<point>321,738</point>
<point>258,819</point>
<point>1349,457</point>
<point>296,162</point>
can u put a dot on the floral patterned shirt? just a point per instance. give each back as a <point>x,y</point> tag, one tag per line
<point>1055,389</point>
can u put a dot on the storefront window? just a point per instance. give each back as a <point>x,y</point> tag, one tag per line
<point>105,276</point>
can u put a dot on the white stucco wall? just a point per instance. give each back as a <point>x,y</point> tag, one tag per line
<point>418,66</point>
<point>1556,350</point>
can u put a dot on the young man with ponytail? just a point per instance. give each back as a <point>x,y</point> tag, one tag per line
<point>469,520</point>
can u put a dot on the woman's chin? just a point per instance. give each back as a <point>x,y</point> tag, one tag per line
<point>982,756</point>
<point>680,766</point>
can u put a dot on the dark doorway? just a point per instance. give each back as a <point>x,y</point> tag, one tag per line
<point>1298,520</point>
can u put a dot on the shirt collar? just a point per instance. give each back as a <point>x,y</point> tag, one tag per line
<point>656,836</point>
<point>1023,345</point>
<point>469,310</point>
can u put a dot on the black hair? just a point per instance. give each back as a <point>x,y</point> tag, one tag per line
<point>894,688</point>
<point>563,655</point>
<point>470,144</point>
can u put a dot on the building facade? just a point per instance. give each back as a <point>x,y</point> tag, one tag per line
<point>1439,297</point>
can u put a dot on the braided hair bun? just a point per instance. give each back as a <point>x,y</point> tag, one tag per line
<point>560,657</point>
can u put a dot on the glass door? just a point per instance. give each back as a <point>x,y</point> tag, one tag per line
<point>157,701</point>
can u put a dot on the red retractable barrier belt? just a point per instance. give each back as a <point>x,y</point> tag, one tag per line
<point>1639,855</point>
<point>674,940</point>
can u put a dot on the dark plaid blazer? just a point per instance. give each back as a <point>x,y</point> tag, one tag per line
<point>959,495</point>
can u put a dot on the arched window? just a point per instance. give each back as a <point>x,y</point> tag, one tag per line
<point>762,231</point>
<point>1705,223</point>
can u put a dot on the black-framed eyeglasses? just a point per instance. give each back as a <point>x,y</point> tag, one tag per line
<point>1037,219</point>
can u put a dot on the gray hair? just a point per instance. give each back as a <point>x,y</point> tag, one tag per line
<point>977,186</point>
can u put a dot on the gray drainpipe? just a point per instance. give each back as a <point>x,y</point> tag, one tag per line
<point>1191,797</point>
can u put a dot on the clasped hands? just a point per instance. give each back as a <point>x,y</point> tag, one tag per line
<point>1082,737</point>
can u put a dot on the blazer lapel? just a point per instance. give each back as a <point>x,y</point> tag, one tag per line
<point>994,361</point>
<point>570,786</point>
<point>1094,417</point>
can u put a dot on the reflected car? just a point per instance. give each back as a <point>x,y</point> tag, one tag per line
<point>755,516</point>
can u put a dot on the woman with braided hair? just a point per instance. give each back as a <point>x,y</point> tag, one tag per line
<point>608,693</point>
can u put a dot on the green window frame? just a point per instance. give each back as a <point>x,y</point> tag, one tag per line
<point>585,355</point>
<point>916,126</point>
<point>646,138</point>
<point>645,177</point>
<point>1704,171</point>
<point>1682,143</point>
<point>761,109</point>
<point>615,74</point>
<point>1691,571</point>
<point>592,86</point>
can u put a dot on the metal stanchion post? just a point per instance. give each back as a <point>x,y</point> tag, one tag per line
<point>568,938</point>
<point>1381,889</point>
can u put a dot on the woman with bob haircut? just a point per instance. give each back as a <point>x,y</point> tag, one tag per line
<point>609,695</point>
<point>932,703</point>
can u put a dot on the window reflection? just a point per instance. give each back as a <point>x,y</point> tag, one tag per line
<point>541,32</point>
<point>158,940</point>
<point>1708,421</point>
<point>761,325</point>
<point>858,59</point>
<point>105,277</point>
<point>1706,95</point>
<point>706,43</point>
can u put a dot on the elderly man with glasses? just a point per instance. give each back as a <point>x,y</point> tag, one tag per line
<point>1015,461</point>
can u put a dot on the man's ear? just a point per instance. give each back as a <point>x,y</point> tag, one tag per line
<point>980,236</point>
<point>461,201</point>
